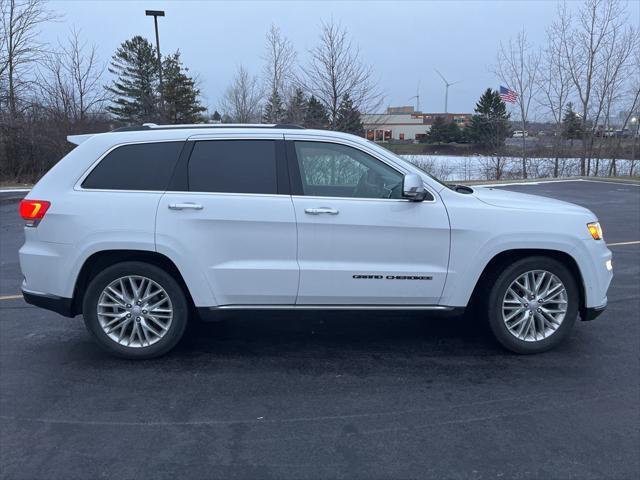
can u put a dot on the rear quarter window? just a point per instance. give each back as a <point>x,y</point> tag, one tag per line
<point>142,166</point>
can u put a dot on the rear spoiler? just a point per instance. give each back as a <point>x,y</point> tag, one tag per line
<point>78,139</point>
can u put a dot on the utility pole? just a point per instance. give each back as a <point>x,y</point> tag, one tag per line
<point>155,14</point>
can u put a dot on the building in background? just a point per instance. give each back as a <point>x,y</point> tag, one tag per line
<point>462,119</point>
<point>398,123</point>
<point>406,110</point>
<point>404,123</point>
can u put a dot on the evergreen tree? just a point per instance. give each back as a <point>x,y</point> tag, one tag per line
<point>181,103</point>
<point>464,135</point>
<point>274,111</point>
<point>442,131</point>
<point>438,132</point>
<point>316,115</point>
<point>490,125</point>
<point>297,108</point>
<point>348,119</point>
<point>135,88</point>
<point>454,134</point>
<point>571,124</point>
<point>216,117</point>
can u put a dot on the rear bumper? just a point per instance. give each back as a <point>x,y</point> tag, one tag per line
<point>592,313</point>
<point>61,305</point>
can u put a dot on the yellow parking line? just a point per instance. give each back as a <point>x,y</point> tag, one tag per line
<point>635,242</point>
<point>11,297</point>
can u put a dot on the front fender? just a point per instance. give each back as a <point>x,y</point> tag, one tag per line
<point>470,258</point>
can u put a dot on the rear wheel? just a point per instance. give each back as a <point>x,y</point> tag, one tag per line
<point>135,310</point>
<point>533,305</point>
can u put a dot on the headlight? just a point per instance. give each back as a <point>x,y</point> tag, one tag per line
<point>595,230</point>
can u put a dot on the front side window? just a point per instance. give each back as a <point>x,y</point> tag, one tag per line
<point>233,166</point>
<point>333,170</point>
<point>142,166</point>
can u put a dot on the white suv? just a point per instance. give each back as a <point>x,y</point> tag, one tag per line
<point>140,228</point>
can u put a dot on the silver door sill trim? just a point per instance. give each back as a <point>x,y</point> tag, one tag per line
<point>332,307</point>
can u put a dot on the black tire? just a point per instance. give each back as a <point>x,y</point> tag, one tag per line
<point>497,291</point>
<point>174,291</point>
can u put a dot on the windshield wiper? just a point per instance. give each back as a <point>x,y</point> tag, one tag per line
<point>460,188</point>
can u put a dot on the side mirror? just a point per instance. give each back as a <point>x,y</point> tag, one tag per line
<point>413,187</point>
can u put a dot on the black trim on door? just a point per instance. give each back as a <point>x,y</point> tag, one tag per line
<point>295,178</point>
<point>282,171</point>
<point>180,178</point>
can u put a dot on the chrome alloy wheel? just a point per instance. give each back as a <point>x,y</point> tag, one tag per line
<point>135,311</point>
<point>534,305</point>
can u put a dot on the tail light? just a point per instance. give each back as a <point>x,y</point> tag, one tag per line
<point>33,210</point>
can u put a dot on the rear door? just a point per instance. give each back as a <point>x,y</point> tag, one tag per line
<point>359,241</point>
<point>229,220</point>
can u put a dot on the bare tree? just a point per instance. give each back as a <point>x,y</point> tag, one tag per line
<point>54,88</point>
<point>3,40</point>
<point>3,53</point>
<point>84,69</point>
<point>439,169</point>
<point>632,105</point>
<point>585,55</point>
<point>70,81</point>
<point>335,69</point>
<point>279,59</point>
<point>21,46</point>
<point>242,99</point>
<point>616,67</point>
<point>494,167</point>
<point>554,83</point>
<point>518,65</point>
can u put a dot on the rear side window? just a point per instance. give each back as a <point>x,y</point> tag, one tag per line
<point>143,166</point>
<point>233,166</point>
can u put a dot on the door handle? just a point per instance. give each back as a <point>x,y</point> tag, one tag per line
<point>185,206</point>
<point>320,210</point>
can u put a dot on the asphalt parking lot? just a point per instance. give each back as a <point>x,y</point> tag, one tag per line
<point>329,395</point>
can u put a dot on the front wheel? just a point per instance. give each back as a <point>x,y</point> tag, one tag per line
<point>533,305</point>
<point>135,310</point>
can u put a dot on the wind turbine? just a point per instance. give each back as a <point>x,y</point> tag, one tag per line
<point>447,84</point>
<point>417,97</point>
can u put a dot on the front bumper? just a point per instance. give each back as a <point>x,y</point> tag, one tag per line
<point>61,305</point>
<point>587,314</point>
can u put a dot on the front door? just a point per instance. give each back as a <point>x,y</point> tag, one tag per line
<point>359,241</point>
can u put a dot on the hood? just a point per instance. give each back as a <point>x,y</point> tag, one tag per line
<point>499,197</point>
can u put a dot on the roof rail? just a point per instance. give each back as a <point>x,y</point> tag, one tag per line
<point>291,126</point>
<point>153,126</point>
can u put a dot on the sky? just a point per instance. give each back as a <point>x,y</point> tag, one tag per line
<point>403,41</point>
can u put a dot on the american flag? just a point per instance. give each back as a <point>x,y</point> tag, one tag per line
<point>508,95</point>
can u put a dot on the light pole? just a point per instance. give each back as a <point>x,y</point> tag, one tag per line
<point>155,14</point>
